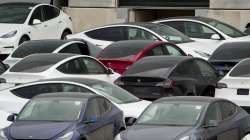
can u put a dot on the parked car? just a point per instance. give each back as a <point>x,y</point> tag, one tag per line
<point>24,21</point>
<point>50,46</point>
<point>122,54</point>
<point>3,119</point>
<point>228,55</point>
<point>73,116</point>
<point>160,76</point>
<point>3,67</point>
<point>205,29</point>
<point>43,66</point>
<point>13,99</point>
<point>236,84</point>
<point>105,35</point>
<point>189,118</point>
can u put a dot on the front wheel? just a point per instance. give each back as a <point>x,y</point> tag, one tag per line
<point>64,35</point>
<point>23,39</point>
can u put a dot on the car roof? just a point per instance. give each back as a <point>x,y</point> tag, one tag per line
<point>73,79</point>
<point>189,99</point>
<point>48,56</point>
<point>140,44</point>
<point>167,59</point>
<point>51,43</point>
<point>32,4</point>
<point>203,19</point>
<point>142,24</point>
<point>67,95</point>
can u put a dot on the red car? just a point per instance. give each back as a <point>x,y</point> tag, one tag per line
<point>120,55</point>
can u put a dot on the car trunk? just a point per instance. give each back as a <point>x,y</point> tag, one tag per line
<point>223,67</point>
<point>119,66</point>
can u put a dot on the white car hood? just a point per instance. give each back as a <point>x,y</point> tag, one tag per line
<point>134,109</point>
<point>6,28</point>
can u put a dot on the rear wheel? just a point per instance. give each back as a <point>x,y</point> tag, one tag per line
<point>23,39</point>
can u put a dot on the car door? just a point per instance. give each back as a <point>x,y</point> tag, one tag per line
<point>105,36</point>
<point>37,30</point>
<point>226,128</point>
<point>52,23</point>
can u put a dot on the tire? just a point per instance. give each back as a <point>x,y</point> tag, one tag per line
<point>64,34</point>
<point>23,39</point>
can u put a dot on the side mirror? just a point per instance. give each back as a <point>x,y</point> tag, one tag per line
<point>212,123</point>
<point>215,37</point>
<point>131,121</point>
<point>91,119</point>
<point>12,117</point>
<point>36,22</point>
<point>110,71</point>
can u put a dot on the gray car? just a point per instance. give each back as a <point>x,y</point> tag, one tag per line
<point>189,118</point>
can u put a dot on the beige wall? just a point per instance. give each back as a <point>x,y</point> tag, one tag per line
<point>92,3</point>
<point>85,18</point>
<point>230,4</point>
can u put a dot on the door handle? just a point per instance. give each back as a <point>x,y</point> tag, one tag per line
<point>45,25</point>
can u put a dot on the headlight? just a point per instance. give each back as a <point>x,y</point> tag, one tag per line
<point>9,35</point>
<point>118,137</point>
<point>184,138</point>
<point>67,136</point>
<point>2,135</point>
<point>203,54</point>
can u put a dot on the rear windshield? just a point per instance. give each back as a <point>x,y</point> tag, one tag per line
<point>31,48</point>
<point>34,64</point>
<point>241,70</point>
<point>232,51</point>
<point>122,50</point>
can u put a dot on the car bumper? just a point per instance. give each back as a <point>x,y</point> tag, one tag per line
<point>7,45</point>
<point>231,95</point>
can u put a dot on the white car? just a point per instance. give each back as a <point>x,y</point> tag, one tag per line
<point>13,99</point>
<point>20,22</point>
<point>105,35</point>
<point>235,86</point>
<point>44,66</point>
<point>205,29</point>
<point>50,46</point>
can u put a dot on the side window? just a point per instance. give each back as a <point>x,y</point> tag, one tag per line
<point>158,50</point>
<point>104,106</point>
<point>186,69</point>
<point>198,30</point>
<point>72,67</point>
<point>74,88</point>
<point>173,50</point>
<point>213,114</point>
<point>108,34</point>
<point>73,48</point>
<point>37,14</point>
<point>50,12</point>
<point>92,66</point>
<point>31,91</point>
<point>205,69</point>
<point>227,109</point>
<point>178,25</point>
<point>93,109</point>
<point>139,34</point>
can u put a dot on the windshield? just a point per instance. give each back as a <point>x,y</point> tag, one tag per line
<point>53,109</point>
<point>113,92</point>
<point>183,114</point>
<point>14,13</point>
<point>226,29</point>
<point>241,70</point>
<point>170,34</point>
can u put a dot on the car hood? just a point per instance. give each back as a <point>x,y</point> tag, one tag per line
<point>244,38</point>
<point>134,109</point>
<point>190,48</point>
<point>144,132</point>
<point>6,28</point>
<point>37,130</point>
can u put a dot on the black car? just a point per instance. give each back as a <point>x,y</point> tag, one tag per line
<point>189,118</point>
<point>158,76</point>
<point>65,116</point>
<point>228,55</point>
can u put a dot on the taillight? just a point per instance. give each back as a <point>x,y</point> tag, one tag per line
<point>166,84</point>
<point>221,85</point>
<point>119,83</point>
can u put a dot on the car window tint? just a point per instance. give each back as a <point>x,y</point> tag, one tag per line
<point>174,51</point>
<point>158,50</point>
<point>33,90</point>
<point>227,109</point>
<point>139,34</point>
<point>76,48</point>
<point>186,69</point>
<point>37,14</point>
<point>213,113</point>
<point>107,34</point>
<point>205,69</point>
<point>179,25</point>
<point>50,12</point>
<point>93,109</point>
<point>2,68</point>
<point>104,106</point>
<point>92,66</point>
<point>72,67</point>
<point>198,30</point>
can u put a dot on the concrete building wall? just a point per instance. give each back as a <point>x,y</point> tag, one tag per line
<point>85,18</point>
<point>92,3</point>
<point>230,4</point>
